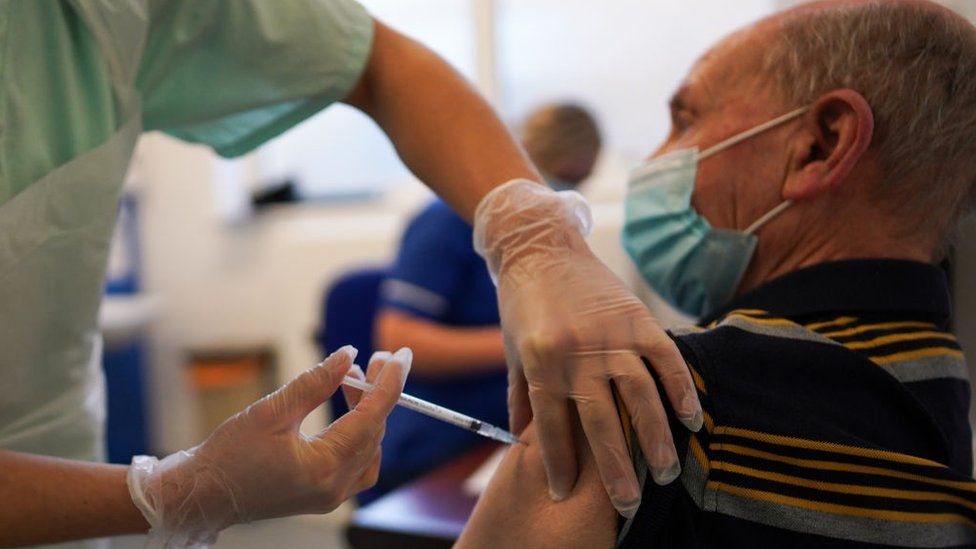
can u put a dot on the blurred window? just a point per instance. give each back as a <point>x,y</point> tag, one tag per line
<point>340,152</point>
<point>621,58</point>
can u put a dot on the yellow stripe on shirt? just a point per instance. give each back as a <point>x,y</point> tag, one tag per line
<point>882,326</point>
<point>966,486</point>
<point>699,453</point>
<point>707,422</point>
<point>895,338</point>
<point>839,488</point>
<point>841,321</point>
<point>918,353</point>
<point>825,446</point>
<point>698,379</point>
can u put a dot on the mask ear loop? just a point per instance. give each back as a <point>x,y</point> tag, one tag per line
<point>768,217</point>
<point>736,139</point>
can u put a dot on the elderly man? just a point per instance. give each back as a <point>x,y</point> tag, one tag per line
<point>817,166</point>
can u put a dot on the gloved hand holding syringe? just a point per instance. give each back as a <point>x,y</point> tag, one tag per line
<point>190,496</point>
<point>444,414</point>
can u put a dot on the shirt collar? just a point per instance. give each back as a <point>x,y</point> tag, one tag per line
<point>862,286</point>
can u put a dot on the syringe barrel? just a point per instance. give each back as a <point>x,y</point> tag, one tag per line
<point>439,412</point>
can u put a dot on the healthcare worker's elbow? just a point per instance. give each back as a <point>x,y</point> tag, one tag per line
<point>397,64</point>
<point>387,43</point>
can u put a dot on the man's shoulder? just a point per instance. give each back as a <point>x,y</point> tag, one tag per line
<point>812,429</point>
<point>841,378</point>
<point>906,350</point>
<point>811,439</point>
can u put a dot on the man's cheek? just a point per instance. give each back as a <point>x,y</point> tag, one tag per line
<point>713,198</point>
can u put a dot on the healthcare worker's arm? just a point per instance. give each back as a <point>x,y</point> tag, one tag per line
<point>256,465</point>
<point>441,349</point>
<point>570,325</point>
<point>447,135</point>
<point>45,499</point>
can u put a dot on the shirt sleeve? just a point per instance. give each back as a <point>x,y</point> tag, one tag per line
<point>233,74</point>
<point>434,258</point>
<point>670,516</point>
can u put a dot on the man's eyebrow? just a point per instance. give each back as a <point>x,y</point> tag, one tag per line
<point>678,101</point>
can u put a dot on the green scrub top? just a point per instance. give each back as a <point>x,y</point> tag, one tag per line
<point>228,73</point>
<point>79,81</point>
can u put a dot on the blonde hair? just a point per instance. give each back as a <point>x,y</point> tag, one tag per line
<point>559,133</point>
<point>916,67</point>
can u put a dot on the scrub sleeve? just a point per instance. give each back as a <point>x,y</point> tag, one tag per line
<point>233,74</point>
<point>79,81</point>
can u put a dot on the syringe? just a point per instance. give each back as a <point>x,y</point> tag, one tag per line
<point>444,414</point>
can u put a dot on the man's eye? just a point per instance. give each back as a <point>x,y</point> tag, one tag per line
<point>683,119</point>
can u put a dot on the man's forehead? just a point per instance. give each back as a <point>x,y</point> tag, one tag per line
<point>729,67</point>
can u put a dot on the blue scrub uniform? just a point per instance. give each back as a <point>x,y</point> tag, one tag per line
<point>439,277</point>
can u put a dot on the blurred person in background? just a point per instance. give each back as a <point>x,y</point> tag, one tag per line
<point>563,141</point>
<point>440,300</point>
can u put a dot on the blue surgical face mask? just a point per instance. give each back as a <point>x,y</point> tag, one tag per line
<point>692,265</point>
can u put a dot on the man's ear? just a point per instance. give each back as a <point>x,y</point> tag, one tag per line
<point>836,134</point>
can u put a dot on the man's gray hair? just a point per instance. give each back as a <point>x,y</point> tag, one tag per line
<point>916,67</point>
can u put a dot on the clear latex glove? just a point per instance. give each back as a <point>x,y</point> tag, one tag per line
<point>258,464</point>
<point>571,327</point>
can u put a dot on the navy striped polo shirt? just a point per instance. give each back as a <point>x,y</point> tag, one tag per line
<point>836,415</point>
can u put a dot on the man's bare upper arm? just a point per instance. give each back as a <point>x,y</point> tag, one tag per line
<point>516,510</point>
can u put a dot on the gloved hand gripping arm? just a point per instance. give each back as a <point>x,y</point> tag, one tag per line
<point>571,328</point>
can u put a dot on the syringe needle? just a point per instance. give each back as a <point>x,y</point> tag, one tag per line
<point>498,434</point>
<point>444,414</point>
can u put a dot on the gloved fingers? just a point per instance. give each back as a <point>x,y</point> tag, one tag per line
<point>363,427</point>
<point>601,424</point>
<point>519,405</point>
<point>664,356</point>
<point>376,364</point>
<point>555,428</point>
<point>309,390</point>
<point>649,421</point>
<point>352,394</point>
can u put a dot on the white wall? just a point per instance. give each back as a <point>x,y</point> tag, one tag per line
<point>623,58</point>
